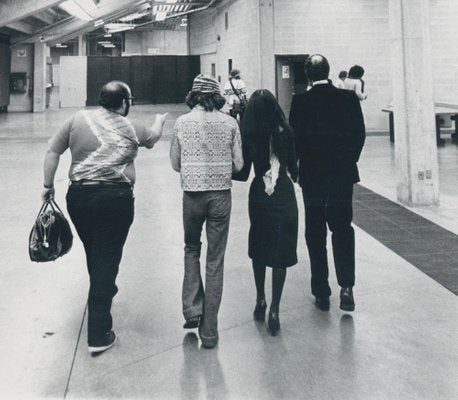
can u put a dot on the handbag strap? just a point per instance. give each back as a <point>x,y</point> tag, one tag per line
<point>235,90</point>
<point>54,204</point>
<point>49,203</point>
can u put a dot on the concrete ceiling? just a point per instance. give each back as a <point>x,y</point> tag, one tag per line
<point>47,21</point>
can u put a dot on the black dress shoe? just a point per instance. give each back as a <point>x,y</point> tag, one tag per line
<point>192,323</point>
<point>322,303</point>
<point>259,312</point>
<point>273,323</point>
<point>347,303</point>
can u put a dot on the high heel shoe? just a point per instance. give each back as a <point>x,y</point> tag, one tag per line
<point>274,323</point>
<point>259,312</point>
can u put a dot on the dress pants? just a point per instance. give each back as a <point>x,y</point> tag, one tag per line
<point>213,208</point>
<point>332,209</point>
<point>102,216</point>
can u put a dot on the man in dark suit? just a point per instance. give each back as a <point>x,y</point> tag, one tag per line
<point>330,133</point>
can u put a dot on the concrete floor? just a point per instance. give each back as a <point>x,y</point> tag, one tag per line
<point>400,343</point>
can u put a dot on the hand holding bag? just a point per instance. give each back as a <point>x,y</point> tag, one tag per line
<point>51,236</point>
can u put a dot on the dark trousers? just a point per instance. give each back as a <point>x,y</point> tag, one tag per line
<point>335,211</point>
<point>102,217</point>
<point>213,208</point>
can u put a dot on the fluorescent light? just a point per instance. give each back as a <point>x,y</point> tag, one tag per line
<point>118,27</point>
<point>61,46</point>
<point>133,16</point>
<point>107,35</point>
<point>160,15</point>
<point>110,46</point>
<point>79,8</point>
<point>99,22</point>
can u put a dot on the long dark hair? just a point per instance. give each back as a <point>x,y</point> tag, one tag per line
<point>209,101</point>
<point>263,120</point>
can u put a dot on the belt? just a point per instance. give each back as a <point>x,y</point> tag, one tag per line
<point>98,183</point>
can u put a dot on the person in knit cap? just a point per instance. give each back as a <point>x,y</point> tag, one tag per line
<point>205,149</point>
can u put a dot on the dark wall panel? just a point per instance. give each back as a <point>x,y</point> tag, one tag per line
<point>120,69</point>
<point>142,79</point>
<point>187,67</point>
<point>152,79</point>
<point>98,73</point>
<point>5,64</point>
<point>164,80</point>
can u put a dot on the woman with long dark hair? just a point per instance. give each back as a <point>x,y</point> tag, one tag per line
<point>269,145</point>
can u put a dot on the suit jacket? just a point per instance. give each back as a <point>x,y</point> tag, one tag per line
<point>329,128</point>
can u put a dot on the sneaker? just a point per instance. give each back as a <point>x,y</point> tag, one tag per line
<point>104,344</point>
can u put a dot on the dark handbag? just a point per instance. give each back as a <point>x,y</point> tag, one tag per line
<point>238,107</point>
<point>51,236</point>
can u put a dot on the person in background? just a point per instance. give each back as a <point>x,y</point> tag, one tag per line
<point>103,145</point>
<point>355,82</point>
<point>205,149</point>
<point>340,83</point>
<point>236,95</point>
<point>330,133</point>
<point>269,145</point>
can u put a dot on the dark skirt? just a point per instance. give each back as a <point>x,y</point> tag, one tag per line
<point>273,231</point>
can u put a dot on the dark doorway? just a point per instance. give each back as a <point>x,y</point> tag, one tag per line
<point>5,64</point>
<point>290,78</point>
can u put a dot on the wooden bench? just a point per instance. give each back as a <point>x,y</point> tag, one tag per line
<point>446,109</point>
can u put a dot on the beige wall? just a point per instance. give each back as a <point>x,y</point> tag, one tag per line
<point>238,42</point>
<point>73,81</point>
<point>444,38</point>
<point>347,32</point>
<point>168,42</point>
<point>354,32</point>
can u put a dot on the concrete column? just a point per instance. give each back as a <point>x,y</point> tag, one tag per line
<point>39,77</point>
<point>413,101</point>
<point>82,41</point>
<point>266,46</point>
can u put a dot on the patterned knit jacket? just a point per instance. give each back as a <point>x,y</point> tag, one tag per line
<point>206,148</point>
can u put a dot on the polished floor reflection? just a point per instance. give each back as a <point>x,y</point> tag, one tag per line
<point>399,343</point>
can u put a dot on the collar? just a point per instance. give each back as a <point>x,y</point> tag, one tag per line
<point>322,82</point>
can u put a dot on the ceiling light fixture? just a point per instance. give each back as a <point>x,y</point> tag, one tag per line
<point>160,15</point>
<point>79,8</point>
<point>133,16</point>
<point>118,27</point>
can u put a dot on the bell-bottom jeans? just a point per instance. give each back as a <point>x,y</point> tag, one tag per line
<point>214,209</point>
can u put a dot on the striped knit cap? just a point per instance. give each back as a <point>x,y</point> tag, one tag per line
<point>205,84</point>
